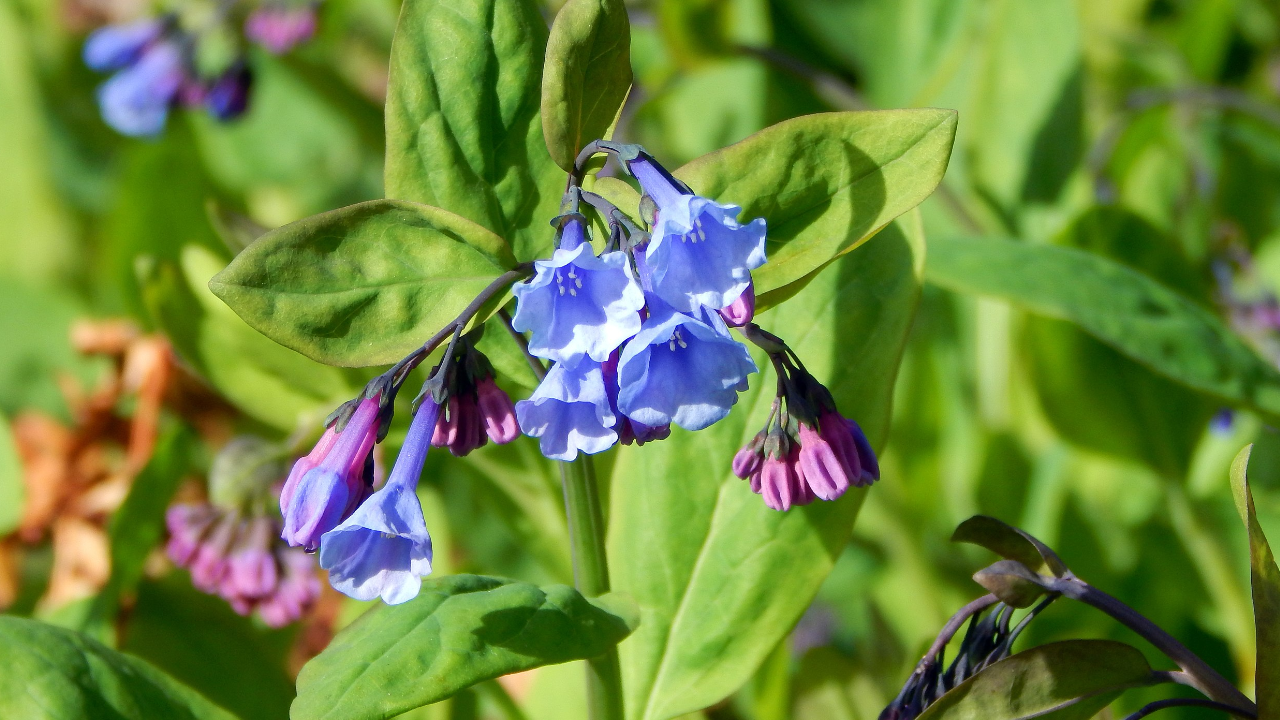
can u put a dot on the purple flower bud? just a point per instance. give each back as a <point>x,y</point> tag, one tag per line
<point>209,563</point>
<point>498,411</point>
<point>870,470</point>
<point>280,28</point>
<point>330,491</point>
<point>446,432</point>
<point>778,482</point>
<point>116,46</point>
<point>824,473</point>
<point>470,426</point>
<point>228,97</point>
<point>743,310</point>
<point>187,525</point>
<point>251,566</point>
<point>297,589</point>
<point>747,461</point>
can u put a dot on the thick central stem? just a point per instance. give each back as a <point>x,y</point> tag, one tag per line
<point>591,577</point>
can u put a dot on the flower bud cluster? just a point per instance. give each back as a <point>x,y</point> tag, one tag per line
<point>807,450</point>
<point>157,64</point>
<point>477,410</point>
<point>239,557</point>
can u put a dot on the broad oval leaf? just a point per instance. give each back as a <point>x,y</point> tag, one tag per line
<point>460,630</point>
<point>1125,309</point>
<point>363,285</point>
<point>826,182</point>
<point>1265,579</point>
<point>719,577</point>
<point>586,76</point>
<point>1073,680</point>
<point>1009,542</point>
<point>463,120</point>
<point>51,672</point>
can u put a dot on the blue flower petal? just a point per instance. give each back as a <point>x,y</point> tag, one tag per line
<point>569,411</point>
<point>701,255</point>
<point>115,46</point>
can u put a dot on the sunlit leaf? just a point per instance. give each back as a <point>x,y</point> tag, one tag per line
<point>459,631</point>
<point>363,285</point>
<point>1073,680</point>
<point>1127,310</point>
<point>49,672</point>
<point>825,183</point>
<point>586,76</point>
<point>1265,579</point>
<point>463,121</point>
<point>719,577</point>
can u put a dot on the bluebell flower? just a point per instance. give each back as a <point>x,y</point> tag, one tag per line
<point>569,412</point>
<point>384,549</point>
<point>117,46</point>
<point>328,484</point>
<point>682,369</point>
<point>700,254</point>
<point>578,303</point>
<point>136,100</point>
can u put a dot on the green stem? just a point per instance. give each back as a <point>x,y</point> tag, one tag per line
<point>591,577</point>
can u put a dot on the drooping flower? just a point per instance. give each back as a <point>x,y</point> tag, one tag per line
<point>117,46</point>
<point>136,100</point>
<point>384,549</point>
<point>569,412</point>
<point>279,27</point>
<point>327,485</point>
<point>578,303</point>
<point>630,432</point>
<point>680,369</point>
<point>700,254</point>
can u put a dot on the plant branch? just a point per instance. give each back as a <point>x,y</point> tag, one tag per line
<point>591,577</point>
<point>539,370</point>
<point>1190,702</point>
<point>1199,674</point>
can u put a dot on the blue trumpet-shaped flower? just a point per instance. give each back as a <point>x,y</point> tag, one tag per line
<point>384,549</point>
<point>116,46</point>
<point>136,100</point>
<point>569,412</point>
<point>700,254</point>
<point>577,303</point>
<point>681,369</point>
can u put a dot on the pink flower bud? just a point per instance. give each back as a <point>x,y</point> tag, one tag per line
<point>251,567</point>
<point>446,432</point>
<point>187,524</point>
<point>747,462</point>
<point>498,411</point>
<point>209,563</point>
<point>802,493</point>
<point>777,482</point>
<point>835,430</point>
<point>823,471</point>
<point>471,431</point>
<point>741,311</point>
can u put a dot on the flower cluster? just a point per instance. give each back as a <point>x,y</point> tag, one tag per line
<point>639,334</point>
<point>238,557</point>
<point>157,64</point>
<point>374,543</point>
<point>807,449</point>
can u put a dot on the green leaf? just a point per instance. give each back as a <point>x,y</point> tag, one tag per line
<point>1265,578</point>
<point>1012,582</point>
<point>197,638</point>
<point>1127,310</point>
<point>825,183</point>
<point>586,75</point>
<point>363,285</point>
<point>1010,543</point>
<point>1070,680</point>
<point>719,577</point>
<point>49,672</point>
<point>12,491</point>
<point>463,117</point>
<point>459,631</point>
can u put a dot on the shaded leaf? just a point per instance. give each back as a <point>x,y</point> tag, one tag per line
<point>1010,581</point>
<point>459,631</point>
<point>1073,680</point>
<point>1265,579</point>
<point>463,121</point>
<point>363,285</point>
<point>586,75</point>
<point>1127,310</point>
<point>719,577</point>
<point>1009,542</point>
<point>827,182</point>
<point>50,672</point>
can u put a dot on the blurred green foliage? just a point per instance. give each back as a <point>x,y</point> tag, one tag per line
<point>1143,132</point>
